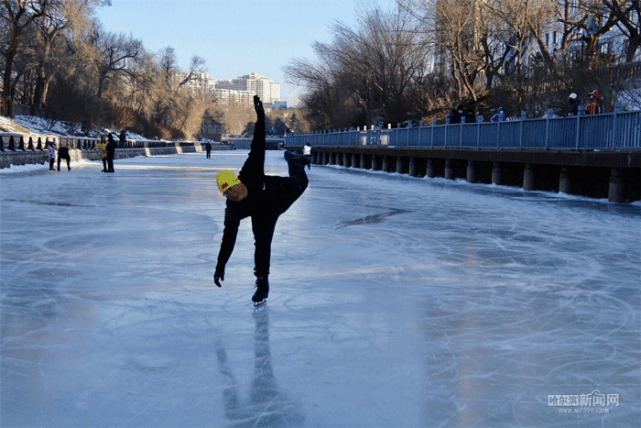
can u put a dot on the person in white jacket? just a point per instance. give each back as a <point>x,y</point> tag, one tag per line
<point>307,153</point>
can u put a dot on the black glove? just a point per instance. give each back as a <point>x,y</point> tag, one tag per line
<point>219,276</point>
<point>258,105</point>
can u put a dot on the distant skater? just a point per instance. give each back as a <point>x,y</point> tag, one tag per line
<point>307,153</point>
<point>63,153</point>
<point>102,146</point>
<point>111,152</point>
<point>52,154</point>
<point>208,148</point>
<point>263,198</point>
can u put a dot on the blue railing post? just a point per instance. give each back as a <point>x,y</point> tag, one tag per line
<point>433,126</point>
<point>549,114</point>
<point>479,120</point>
<point>578,127</point>
<point>617,109</point>
<point>523,117</point>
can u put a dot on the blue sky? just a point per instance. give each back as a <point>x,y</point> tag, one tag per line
<point>235,37</point>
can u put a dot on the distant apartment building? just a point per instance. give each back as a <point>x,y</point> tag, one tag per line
<point>196,82</point>
<point>255,84</point>
<point>241,89</point>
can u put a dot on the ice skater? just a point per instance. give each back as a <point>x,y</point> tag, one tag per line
<point>263,198</point>
<point>307,153</point>
<point>63,153</point>
<point>111,153</point>
<point>52,154</point>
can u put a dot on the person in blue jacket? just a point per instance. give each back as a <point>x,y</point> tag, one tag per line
<point>263,198</point>
<point>500,116</point>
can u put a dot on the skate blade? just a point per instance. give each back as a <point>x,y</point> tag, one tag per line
<point>261,303</point>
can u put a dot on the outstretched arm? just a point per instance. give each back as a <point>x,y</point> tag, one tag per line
<point>253,171</point>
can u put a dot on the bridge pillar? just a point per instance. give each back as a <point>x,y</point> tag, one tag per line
<point>376,162</point>
<point>431,170</point>
<point>565,181</point>
<point>528,177</point>
<point>386,163</point>
<point>471,172</point>
<point>325,158</point>
<point>497,173</point>
<point>332,158</point>
<point>363,161</point>
<point>355,160</point>
<point>449,169</point>
<point>347,159</point>
<point>616,193</point>
<point>413,168</point>
<point>399,164</point>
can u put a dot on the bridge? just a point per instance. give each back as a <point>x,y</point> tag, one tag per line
<point>273,142</point>
<point>597,156</point>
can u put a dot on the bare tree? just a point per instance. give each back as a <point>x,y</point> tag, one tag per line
<point>18,15</point>
<point>59,16</point>
<point>628,14</point>
<point>362,77</point>
<point>114,55</point>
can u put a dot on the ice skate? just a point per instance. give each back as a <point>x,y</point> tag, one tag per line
<point>262,290</point>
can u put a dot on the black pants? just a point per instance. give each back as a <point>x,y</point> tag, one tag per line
<point>67,158</point>
<point>51,162</point>
<point>110,164</point>
<point>263,229</point>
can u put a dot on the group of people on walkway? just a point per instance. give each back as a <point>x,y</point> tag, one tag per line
<point>595,105</point>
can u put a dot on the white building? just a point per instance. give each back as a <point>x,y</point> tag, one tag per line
<point>241,89</point>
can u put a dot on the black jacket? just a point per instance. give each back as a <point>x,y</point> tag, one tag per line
<point>267,198</point>
<point>111,148</point>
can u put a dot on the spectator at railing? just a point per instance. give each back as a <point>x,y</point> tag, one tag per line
<point>573,104</point>
<point>500,116</point>
<point>595,106</point>
<point>455,115</point>
<point>469,116</point>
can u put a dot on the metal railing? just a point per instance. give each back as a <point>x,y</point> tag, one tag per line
<point>610,131</point>
<point>13,141</point>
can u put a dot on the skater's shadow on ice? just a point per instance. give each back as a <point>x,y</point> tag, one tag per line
<point>265,406</point>
<point>372,219</point>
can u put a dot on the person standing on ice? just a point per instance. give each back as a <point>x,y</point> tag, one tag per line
<point>307,153</point>
<point>52,154</point>
<point>263,198</point>
<point>111,153</point>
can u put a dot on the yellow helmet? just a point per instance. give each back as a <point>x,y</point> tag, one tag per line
<point>225,180</point>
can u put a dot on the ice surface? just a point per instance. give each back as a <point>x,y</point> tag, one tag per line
<point>394,302</point>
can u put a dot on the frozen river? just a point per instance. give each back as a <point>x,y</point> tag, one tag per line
<point>394,302</point>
